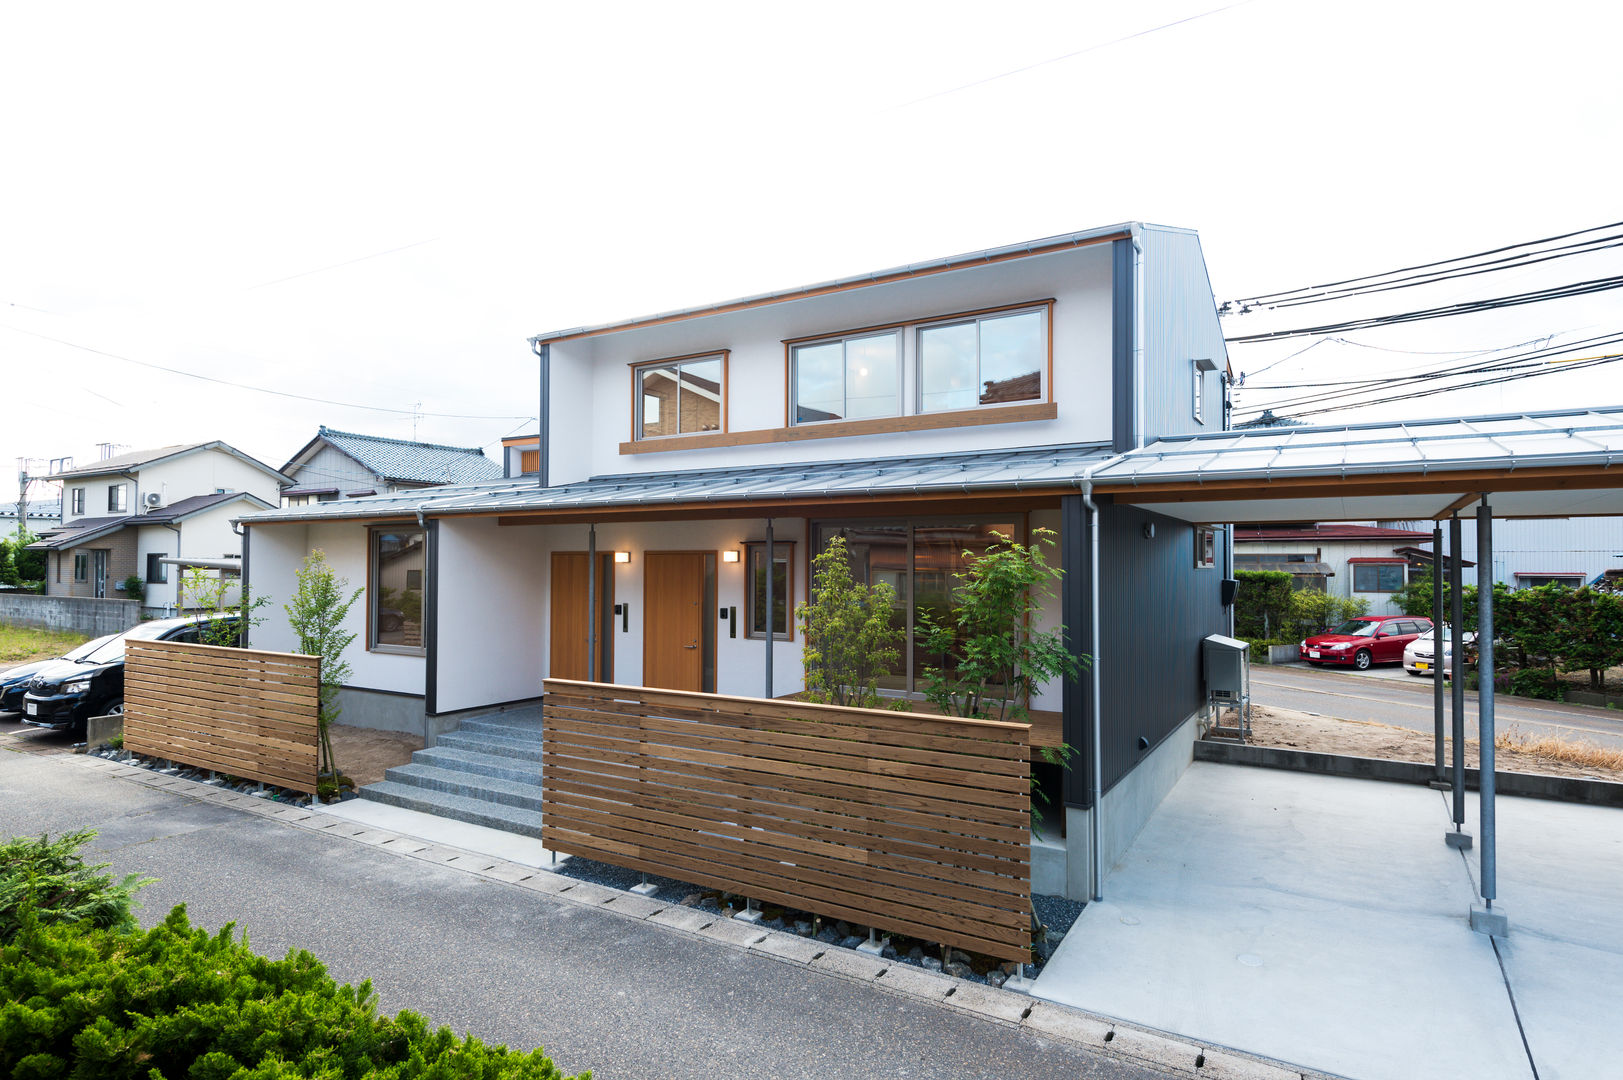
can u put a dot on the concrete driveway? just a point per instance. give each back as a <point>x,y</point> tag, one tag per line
<point>1323,921</point>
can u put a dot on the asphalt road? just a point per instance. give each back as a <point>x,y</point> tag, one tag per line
<point>621,997</point>
<point>1389,695</point>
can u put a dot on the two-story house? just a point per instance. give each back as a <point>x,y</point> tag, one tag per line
<point>345,465</point>
<point>918,412</point>
<point>148,513</point>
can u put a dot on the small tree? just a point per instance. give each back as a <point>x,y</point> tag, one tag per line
<point>212,597</point>
<point>317,616</point>
<point>996,660</point>
<point>850,637</point>
<point>1313,612</point>
<point>8,565</point>
<point>134,588</point>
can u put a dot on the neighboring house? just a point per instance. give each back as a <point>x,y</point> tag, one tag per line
<point>150,513</point>
<point>1537,551</point>
<point>343,465</point>
<point>1367,562</point>
<point>916,412</point>
<point>43,516</point>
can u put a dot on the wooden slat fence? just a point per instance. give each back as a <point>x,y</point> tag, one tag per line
<point>238,711</point>
<point>909,823</point>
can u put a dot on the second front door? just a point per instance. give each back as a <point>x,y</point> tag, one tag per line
<point>676,651</point>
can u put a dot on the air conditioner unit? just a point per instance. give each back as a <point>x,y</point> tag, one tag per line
<point>154,498</point>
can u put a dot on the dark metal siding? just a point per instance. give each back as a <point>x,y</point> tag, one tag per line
<point>1154,609</point>
<point>431,621</point>
<point>1123,411</point>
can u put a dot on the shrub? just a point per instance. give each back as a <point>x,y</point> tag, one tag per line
<point>1262,603</point>
<point>1313,612</point>
<point>178,1002</point>
<point>134,588</point>
<point>48,880</point>
<point>850,630</point>
<point>1535,683</point>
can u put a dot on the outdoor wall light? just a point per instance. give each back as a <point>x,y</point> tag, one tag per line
<point>622,557</point>
<point>729,556</point>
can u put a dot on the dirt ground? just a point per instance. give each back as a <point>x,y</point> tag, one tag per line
<point>362,754</point>
<point>1295,730</point>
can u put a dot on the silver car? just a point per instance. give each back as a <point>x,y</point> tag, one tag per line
<point>1420,658</point>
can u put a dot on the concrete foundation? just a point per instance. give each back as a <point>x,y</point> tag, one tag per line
<point>382,711</point>
<point>1127,807</point>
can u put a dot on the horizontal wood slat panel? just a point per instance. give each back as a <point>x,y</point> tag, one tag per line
<point>243,712</point>
<point>911,823</point>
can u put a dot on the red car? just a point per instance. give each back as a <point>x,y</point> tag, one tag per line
<point>1366,640</point>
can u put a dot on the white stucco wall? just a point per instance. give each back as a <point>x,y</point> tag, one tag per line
<point>592,388</point>
<point>492,613</point>
<point>205,473</point>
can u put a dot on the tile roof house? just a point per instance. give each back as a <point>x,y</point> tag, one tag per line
<point>345,465</point>
<point>149,513</point>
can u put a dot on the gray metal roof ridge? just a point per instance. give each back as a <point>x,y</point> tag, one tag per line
<point>966,259</point>
<point>1606,412</point>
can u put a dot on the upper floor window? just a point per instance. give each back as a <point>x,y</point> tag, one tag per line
<point>849,378</point>
<point>78,501</point>
<point>995,359</point>
<point>118,499</point>
<point>680,396</point>
<point>1199,386</point>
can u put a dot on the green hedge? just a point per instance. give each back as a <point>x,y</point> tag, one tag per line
<point>1262,603</point>
<point>174,1002</point>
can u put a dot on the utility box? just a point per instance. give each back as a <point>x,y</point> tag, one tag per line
<point>1226,663</point>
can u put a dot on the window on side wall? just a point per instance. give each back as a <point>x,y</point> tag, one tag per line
<point>1205,548</point>
<point>78,501</point>
<point>783,583</point>
<point>157,569</point>
<point>1198,387</point>
<point>996,359</point>
<point>81,566</point>
<point>395,574</point>
<point>117,498</point>
<point>1377,577</point>
<point>858,377</point>
<point>681,396</point>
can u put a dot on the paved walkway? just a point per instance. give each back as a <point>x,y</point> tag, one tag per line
<point>602,979</point>
<point>1323,921</point>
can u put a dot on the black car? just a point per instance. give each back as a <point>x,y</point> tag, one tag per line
<point>14,681</point>
<point>68,692</point>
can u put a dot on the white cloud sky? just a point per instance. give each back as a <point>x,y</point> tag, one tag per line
<point>211,187</point>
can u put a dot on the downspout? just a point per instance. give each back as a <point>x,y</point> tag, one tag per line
<point>1135,231</point>
<point>543,352</point>
<point>1095,739</point>
<point>178,553</point>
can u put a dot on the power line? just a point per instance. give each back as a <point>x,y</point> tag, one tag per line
<point>337,265</point>
<point>256,389</point>
<point>1426,266</point>
<point>1555,292</point>
<point>1066,56</point>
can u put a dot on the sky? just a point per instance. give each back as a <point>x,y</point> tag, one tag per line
<point>376,204</point>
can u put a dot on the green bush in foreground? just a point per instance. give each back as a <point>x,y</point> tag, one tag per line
<point>174,1002</point>
<point>48,879</point>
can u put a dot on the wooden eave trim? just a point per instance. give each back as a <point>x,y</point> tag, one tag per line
<point>923,321</point>
<point>679,359</point>
<point>1476,481</point>
<point>828,290</point>
<point>838,429</point>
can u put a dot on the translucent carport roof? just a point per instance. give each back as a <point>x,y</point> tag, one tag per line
<point>1560,464</point>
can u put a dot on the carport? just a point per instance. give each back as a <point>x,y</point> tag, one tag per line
<point>1335,873</point>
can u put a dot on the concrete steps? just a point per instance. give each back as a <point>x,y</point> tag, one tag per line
<point>488,773</point>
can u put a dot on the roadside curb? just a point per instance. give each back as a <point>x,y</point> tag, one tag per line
<point>1164,1051</point>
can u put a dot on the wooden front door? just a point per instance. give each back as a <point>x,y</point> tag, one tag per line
<point>673,639</point>
<point>569,626</point>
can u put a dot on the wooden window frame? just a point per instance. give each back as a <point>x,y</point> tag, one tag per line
<point>638,367</point>
<point>788,559</point>
<point>372,644</point>
<point>1202,532</point>
<point>1045,371</point>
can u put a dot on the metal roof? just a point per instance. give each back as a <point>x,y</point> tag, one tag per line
<point>407,461</point>
<point>137,459</point>
<point>990,470</point>
<point>37,508</point>
<point>1043,246</point>
<point>1514,440</point>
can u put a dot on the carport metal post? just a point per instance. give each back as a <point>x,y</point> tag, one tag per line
<point>1456,618</point>
<point>1437,640</point>
<point>1484,700</point>
<point>591,603</point>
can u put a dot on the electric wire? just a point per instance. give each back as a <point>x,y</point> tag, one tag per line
<point>256,389</point>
